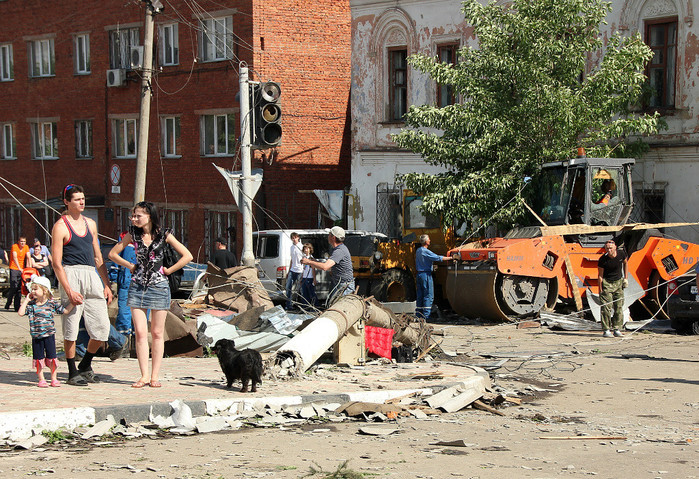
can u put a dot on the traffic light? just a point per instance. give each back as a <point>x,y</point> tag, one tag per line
<point>267,116</point>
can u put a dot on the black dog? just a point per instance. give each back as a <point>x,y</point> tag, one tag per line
<point>245,365</point>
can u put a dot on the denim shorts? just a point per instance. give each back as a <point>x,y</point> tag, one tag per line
<point>155,296</point>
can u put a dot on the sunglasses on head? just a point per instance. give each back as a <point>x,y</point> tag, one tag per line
<point>67,188</point>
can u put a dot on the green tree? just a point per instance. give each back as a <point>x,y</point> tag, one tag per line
<point>527,99</point>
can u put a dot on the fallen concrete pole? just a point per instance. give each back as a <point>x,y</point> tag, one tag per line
<point>411,334</point>
<point>305,348</point>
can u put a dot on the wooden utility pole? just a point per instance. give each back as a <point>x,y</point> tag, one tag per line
<point>152,8</point>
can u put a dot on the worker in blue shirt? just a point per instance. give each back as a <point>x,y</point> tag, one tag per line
<point>425,284</point>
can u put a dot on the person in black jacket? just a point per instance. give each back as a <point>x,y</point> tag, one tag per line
<point>223,258</point>
<point>613,279</point>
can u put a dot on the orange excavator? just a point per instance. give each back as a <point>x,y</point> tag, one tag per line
<point>582,203</point>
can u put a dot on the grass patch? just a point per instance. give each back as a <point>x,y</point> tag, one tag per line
<point>56,436</point>
<point>342,472</point>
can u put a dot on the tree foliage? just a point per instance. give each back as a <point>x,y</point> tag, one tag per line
<point>526,99</point>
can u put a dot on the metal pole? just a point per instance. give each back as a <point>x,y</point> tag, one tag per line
<point>144,117</point>
<point>247,256</point>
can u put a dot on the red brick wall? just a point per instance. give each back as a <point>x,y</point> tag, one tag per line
<point>303,46</point>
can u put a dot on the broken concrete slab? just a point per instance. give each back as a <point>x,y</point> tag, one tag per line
<point>461,400</point>
<point>211,424</point>
<point>32,442</point>
<point>101,428</point>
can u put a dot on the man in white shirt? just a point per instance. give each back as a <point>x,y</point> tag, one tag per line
<point>295,267</point>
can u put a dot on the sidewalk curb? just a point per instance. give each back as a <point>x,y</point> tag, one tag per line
<point>22,425</point>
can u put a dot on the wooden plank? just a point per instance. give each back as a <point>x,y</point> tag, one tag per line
<point>573,283</point>
<point>585,229</point>
<point>484,407</point>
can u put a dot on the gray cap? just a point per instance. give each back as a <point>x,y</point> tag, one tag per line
<point>338,233</point>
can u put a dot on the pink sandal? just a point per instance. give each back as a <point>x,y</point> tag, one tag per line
<point>43,384</point>
<point>55,383</point>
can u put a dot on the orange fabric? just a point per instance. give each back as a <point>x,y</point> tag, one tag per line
<point>21,256</point>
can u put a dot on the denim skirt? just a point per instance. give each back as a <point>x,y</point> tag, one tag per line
<point>155,296</point>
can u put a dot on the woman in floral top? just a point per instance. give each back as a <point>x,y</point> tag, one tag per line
<point>149,289</point>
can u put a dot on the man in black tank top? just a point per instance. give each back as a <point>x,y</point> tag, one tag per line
<point>77,261</point>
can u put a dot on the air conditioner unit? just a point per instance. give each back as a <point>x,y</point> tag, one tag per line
<point>116,77</point>
<point>136,58</point>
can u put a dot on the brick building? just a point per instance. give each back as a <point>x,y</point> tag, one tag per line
<point>70,100</point>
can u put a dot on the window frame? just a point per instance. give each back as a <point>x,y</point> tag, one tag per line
<point>46,66</point>
<point>213,41</point>
<point>123,137</point>
<point>174,46</point>
<point>449,89</point>
<point>215,135</point>
<point>393,89</point>
<point>4,144</point>
<point>82,56</point>
<point>38,137</point>
<point>178,221</point>
<point>171,122</point>
<point>7,64</point>
<point>667,89</point>
<point>79,154</point>
<point>133,39</point>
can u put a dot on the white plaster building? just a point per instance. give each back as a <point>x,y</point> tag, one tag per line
<point>384,32</point>
<point>666,179</point>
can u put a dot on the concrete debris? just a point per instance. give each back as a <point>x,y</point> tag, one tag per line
<point>101,428</point>
<point>32,442</point>
<point>211,424</point>
<point>461,400</point>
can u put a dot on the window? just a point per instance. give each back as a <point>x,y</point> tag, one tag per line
<point>218,135</point>
<point>216,39</point>
<point>41,58</point>
<point>6,64</point>
<point>177,220</point>
<point>125,138</point>
<point>10,224</point>
<point>83,139</point>
<point>171,136</point>
<point>120,43</point>
<point>398,76</point>
<point>445,93</point>
<point>8,143</point>
<point>44,140</point>
<point>82,54</point>
<point>169,45</point>
<point>661,37</point>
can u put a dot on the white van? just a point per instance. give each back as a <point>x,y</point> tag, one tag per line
<point>272,257</point>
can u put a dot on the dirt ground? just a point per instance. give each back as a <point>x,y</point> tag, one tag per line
<point>637,396</point>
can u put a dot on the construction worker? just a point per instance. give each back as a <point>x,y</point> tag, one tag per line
<point>425,284</point>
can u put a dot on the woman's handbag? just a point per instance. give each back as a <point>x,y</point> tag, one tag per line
<point>170,257</point>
